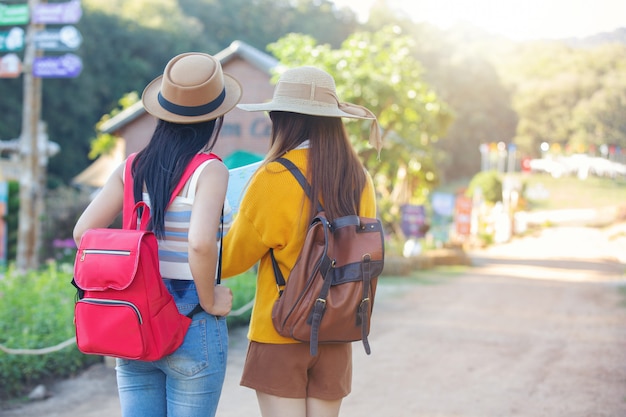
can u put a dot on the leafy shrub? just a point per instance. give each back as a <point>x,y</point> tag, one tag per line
<point>36,312</point>
<point>489,183</point>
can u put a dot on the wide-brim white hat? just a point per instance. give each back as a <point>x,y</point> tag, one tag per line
<point>309,90</point>
<point>192,89</point>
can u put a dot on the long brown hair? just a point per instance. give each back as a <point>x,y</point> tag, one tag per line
<point>336,174</point>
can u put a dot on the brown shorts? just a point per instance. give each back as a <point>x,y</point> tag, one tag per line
<point>290,371</point>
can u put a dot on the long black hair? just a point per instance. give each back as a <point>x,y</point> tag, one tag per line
<point>160,165</point>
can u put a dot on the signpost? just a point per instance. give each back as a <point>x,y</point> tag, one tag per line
<point>4,208</point>
<point>10,66</point>
<point>33,142</point>
<point>413,220</point>
<point>57,13</point>
<point>63,66</point>
<point>463,215</point>
<point>13,14</point>
<point>67,38</point>
<point>12,41</point>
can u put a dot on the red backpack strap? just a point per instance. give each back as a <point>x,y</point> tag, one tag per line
<point>129,197</point>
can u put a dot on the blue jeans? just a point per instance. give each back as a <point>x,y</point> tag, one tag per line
<point>187,383</point>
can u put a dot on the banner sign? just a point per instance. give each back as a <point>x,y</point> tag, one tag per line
<point>413,220</point>
<point>463,215</point>
<point>10,66</point>
<point>67,38</point>
<point>443,215</point>
<point>12,41</point>
<point>58,13</point>
<point>4,210</point>
<point>14,14</point>
<point>63,66</point>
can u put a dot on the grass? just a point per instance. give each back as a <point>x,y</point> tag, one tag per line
<point>572,193</point>
<point>431,276</point>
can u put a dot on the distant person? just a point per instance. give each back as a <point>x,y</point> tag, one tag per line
<point>189,100</point>
<point>274,214</point>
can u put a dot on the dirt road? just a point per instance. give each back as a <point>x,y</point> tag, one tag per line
<point>536,328</point>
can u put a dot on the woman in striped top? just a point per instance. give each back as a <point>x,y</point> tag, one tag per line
<point>189,101</point>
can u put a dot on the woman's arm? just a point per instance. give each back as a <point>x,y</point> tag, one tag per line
<point>203,229</point>
<point>107,205</point>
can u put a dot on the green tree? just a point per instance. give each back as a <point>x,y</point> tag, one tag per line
<point>376,70</point>
<point>573,97</point>
<point>457,66</point>
<point>104,143</point>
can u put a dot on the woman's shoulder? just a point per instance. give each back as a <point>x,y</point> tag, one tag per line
<point>297,156</point>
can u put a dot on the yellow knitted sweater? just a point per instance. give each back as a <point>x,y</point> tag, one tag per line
<point>273,214</point>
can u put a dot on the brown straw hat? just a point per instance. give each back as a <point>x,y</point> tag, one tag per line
<point>310,90</point>
<point>192,89</point>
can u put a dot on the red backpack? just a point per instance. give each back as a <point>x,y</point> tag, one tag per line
<point>123,309</point>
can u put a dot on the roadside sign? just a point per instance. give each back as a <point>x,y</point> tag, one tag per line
<point>4,210</point>
<point>10,66</point>
<point>67,38</point>
<point>57,13</point>
<point>62,66</point>
<point>13,14</point>
<point>413,220</point>
<point>12,41</point>
<point>463,215</point>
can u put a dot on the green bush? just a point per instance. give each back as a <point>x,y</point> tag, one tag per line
<point>36,312</point>
<point>489,183</point>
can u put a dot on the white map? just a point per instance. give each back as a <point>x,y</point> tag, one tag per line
<point>237,183</point>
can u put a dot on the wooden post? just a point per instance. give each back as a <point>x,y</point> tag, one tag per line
<point>31,188</point>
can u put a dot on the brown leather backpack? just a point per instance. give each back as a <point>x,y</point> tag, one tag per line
<point>329,295</point>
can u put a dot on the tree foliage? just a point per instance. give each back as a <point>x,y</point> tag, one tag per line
<point>574,98</point>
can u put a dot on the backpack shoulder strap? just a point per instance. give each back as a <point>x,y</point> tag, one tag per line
<point>300,177</point>
<point>197,160</point>
<point>129,197</point>
<point>295,171</point>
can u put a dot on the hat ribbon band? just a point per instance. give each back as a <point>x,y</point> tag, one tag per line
<point>312,92</point>
<point>192,110</point>
<point>304,91</point>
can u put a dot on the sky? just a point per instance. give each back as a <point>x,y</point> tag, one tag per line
<point>515,19</point>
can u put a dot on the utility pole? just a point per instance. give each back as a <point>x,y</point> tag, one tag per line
<point>31,186</point>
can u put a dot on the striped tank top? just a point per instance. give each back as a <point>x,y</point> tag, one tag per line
<point>173,249</point>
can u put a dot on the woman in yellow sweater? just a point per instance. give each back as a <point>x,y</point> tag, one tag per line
<point>274,214</point>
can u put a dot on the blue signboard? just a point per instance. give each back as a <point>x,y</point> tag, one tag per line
<point>67,38</point>
<point>12,41</point>
<point>57,13</point>
<point>413,221</point>
<point>443,205</point>
<point>63,66</point>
